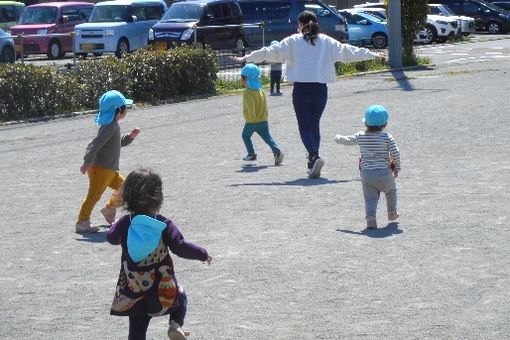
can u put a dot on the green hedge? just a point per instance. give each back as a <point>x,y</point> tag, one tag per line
<point>29,91</point>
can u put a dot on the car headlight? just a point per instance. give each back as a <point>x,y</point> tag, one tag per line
<point>151,34</point>
<point>504,16</point>
<point>441,22</point>
<point>109,32</point>
<point>42,32</point>
<point>186,35</point>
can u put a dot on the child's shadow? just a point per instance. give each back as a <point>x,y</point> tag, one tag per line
<point>390,230</point>
<point>98,237</point>
<point>252,168</point>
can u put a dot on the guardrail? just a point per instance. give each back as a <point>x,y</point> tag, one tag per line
<point>18,42</point>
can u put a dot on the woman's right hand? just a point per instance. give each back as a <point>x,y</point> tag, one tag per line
<point>237,59</point>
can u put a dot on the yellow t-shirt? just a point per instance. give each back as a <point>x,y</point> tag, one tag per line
<point>254,106</point>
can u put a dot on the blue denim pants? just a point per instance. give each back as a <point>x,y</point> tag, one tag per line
<point>309,100</point>
<point>262,129</point>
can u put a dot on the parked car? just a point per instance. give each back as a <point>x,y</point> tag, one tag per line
<point>488,17</point>
<point>7,54</point>
<point>280,19</point>
<point>183,20</point>
<point>118,26</point>
<point>43,20</point>
<point>370,5</point>
<point>378,12</point>
<point>10,12</point>
<point>467,24</point>
<point>502,4</point>
<point>438,28</point>
<point>365,29</point>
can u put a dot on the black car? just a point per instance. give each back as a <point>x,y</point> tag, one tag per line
<point>488,17</point>
<point>215,23</point>
<point>503,4</point>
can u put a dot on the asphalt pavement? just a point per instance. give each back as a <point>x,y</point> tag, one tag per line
<point>292,259</point>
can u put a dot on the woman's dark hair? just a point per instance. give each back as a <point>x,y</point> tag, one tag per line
<point>375,128</point>
<point>142,192</point>
<point>310,26</point>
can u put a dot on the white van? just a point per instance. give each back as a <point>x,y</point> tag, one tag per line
<point>118,26</point>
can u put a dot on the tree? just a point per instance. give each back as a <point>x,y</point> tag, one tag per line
<point>413,16</point>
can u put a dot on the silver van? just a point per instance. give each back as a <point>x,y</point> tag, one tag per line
<point>279,18</point>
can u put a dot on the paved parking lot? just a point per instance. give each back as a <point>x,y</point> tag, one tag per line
<point>291,257</point>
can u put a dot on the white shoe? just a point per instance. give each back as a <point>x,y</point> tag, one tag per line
<point>315,171</point>
<point>175,331</point>
<point>84,227</point>
<point>109,214</point>
<point>278,159</point>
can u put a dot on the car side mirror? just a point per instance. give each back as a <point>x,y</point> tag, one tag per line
<point>324,13</point>
<point>133,18</point>
<point>64,19</point>
<point>364,22</point>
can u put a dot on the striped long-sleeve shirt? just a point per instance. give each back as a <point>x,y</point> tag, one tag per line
<point>377,149</point>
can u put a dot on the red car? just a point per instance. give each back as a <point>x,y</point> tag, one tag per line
<point>46,27</point>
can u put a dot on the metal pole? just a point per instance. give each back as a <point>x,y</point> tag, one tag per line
<point>20,38</point>
<point>73,35</point>
<point>395,33</point>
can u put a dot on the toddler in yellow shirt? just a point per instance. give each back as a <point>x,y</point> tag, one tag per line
<point>255,114</point>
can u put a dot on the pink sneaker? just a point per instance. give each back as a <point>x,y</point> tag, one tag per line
<point>175,331</point>
<point>84,227</point>
<point>109,214</point>
<point>392,215</point>
<point>371,223</point>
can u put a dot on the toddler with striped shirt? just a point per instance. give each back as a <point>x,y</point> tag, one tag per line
<point>379,163</point>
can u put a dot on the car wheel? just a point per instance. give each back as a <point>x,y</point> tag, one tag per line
<point>494,28</point>
<point>7,55</point>
<point>379,40</point>
<point>81,55</point>
<point>54,50</point>
<point>430,34</point>
<point>239,46</point>
<point>122,48</point>
<point>97,54</point>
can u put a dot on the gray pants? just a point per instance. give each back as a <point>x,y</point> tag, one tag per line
<point>374,182</point>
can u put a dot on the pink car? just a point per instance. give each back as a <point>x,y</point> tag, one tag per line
<point>47,21</point>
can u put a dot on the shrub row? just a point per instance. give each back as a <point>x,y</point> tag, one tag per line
<point>28,91</point>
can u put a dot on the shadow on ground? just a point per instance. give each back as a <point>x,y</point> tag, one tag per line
<point>305,182</point>
<point>98,237</point>
<point>390,230</point>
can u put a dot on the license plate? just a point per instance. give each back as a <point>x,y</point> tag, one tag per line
<point>160,45</point>
<point>87,47</point>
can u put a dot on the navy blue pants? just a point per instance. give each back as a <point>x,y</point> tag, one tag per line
<point>309,101</point>
<point>276,77</point>
<point>138,324</point>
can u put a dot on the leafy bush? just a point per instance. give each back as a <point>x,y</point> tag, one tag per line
<point>29,91</point>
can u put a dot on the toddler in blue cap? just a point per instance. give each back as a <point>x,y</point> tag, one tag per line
<point>255,114</point>
<point>275,75</point>
<point>101,160</point>
<point>379,163</point>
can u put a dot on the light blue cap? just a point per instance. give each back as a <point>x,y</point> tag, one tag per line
<point>274,42</point>
<point>252,73</point>
<point>108,103</point>
<point>376,115</point>
<point>143,238</point>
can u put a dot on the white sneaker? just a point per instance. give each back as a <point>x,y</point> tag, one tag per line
<point>109,214</point>
<point>175,331</point>
<point>278,159</point>
<point>315,171</point>
<point>84,227</point>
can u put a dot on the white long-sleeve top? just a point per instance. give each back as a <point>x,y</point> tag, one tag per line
<point>307,62</point>
<point>377,149</point>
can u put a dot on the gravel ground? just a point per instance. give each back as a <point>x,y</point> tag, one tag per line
<point>292,259</point>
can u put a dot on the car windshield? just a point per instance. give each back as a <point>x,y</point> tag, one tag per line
<point>113,13</point>
<point>38,15</point>
<point>371,16</point>
<point>491,6</point>
<point>183,12</point>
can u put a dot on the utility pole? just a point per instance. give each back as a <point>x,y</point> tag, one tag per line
<point>395,33</point>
